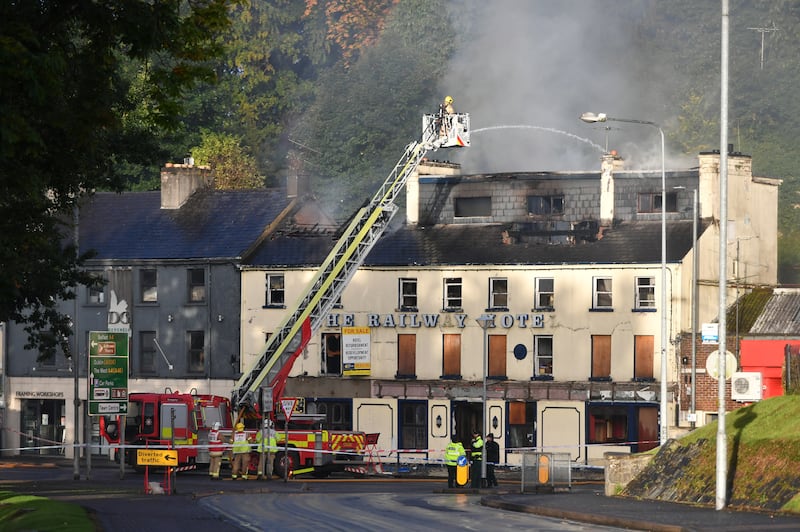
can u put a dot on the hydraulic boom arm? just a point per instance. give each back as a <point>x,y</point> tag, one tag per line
<point>281,350</point>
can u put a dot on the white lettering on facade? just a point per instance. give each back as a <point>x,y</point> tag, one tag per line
<point>413,320</point>
<point>38,395</point>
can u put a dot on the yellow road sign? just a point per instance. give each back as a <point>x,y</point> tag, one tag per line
<point>156,457</point>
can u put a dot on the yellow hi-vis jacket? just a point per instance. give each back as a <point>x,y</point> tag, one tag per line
<point>266,445</point>
<point>452,452</point>
<point>240,443</point>
<point>477,448</point>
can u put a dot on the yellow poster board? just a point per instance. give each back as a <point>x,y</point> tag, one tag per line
<point>156,457</point>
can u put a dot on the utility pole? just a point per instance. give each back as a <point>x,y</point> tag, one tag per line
<point>763,31</point>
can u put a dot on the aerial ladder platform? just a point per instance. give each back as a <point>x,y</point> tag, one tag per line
<point>306,316</point>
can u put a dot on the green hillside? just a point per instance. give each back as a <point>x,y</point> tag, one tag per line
<point>763,461</point>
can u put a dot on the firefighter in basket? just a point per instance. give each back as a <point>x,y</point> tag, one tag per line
<point>446,112</point>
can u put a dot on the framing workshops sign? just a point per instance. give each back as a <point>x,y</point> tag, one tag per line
<point>108,373</point>
<point>355,351</point>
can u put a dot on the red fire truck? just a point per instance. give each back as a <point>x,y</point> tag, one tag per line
<point>170,419</point>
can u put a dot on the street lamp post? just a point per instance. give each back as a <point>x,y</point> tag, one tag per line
<point>486,322</point>
<point>602,117</point>
<point>695,276</point>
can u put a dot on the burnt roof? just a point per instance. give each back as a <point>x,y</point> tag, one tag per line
<point>501,244</point>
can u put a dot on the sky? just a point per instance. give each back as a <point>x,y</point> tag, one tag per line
<point>540,64</point>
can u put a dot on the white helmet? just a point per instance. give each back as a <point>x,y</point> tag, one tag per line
<point>216,425</point>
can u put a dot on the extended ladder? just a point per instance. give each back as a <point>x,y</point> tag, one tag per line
<point>283,347</point>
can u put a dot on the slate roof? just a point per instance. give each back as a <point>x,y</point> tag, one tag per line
<point>210,225</point>
<point>500,244</point>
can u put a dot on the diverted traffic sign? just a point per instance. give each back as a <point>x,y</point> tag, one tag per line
<point>156,457</point>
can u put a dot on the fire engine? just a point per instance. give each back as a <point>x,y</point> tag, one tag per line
<point>183,420</point>
<point>170,419</point>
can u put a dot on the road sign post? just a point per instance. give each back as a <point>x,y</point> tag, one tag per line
<point>108,373</point>
<point>287,405</point>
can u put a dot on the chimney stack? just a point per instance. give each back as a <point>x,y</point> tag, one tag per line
<point>180,181</point>
<point>608,164</point>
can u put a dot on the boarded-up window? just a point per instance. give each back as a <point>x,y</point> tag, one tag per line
<point>497,355</point>
<point>643,357</point>
<point>648,428</point>
<point>406,355</point>
<point>451,349</point>
<point>516,413</point>
<point>601,356</point>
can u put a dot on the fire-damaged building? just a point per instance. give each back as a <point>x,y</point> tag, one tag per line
<point>563,268</point>
<point>567,268</point>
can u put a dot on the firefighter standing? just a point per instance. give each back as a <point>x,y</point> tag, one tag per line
<point>452,453</point>
<point>215,450</point>
<point>241,453</point>
<point>266,444</point>
<point>446,112</point>
<point>477,459</point>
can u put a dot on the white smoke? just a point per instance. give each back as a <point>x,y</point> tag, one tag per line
<point>543,63</point>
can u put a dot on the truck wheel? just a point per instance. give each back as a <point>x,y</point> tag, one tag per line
<point>282,462</point>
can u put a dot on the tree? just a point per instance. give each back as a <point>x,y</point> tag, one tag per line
<point>233,166</point>
<point>70,119</point>
<point>364,113</point>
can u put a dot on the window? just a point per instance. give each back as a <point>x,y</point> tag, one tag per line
<point>465,207</point>
<point>452,293</point>
<point>147,352</point>
<point>602,293</point>
<point>96,291</point>
<point>543,357</point>
<point>645,292</point>
<point>608,424</point>
<point>544,298</point>
<point>650,202</point>
<point>148,286</point>
<point>196,281</point>
<point>498,293</point>
<point>413,426</point>
<point>521,424</point>
<point>451,356</point>
<point>643,357</point>
<point>331,354</point>
<point>275,293</point>
<point>497,356</point>
<point>546,204</point>
<point>197,350</point>
<point>601,358</point>
<point>47,359</point>
<point>408,294</point>
<point>406,356</point>
<point>338,413</point>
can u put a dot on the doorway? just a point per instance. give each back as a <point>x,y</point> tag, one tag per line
<point>467,416</point>
<point>42,426</point>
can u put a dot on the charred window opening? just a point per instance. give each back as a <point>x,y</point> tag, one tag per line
<point>468,207</point>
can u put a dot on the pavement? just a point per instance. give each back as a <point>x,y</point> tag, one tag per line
<point>121,505</point>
